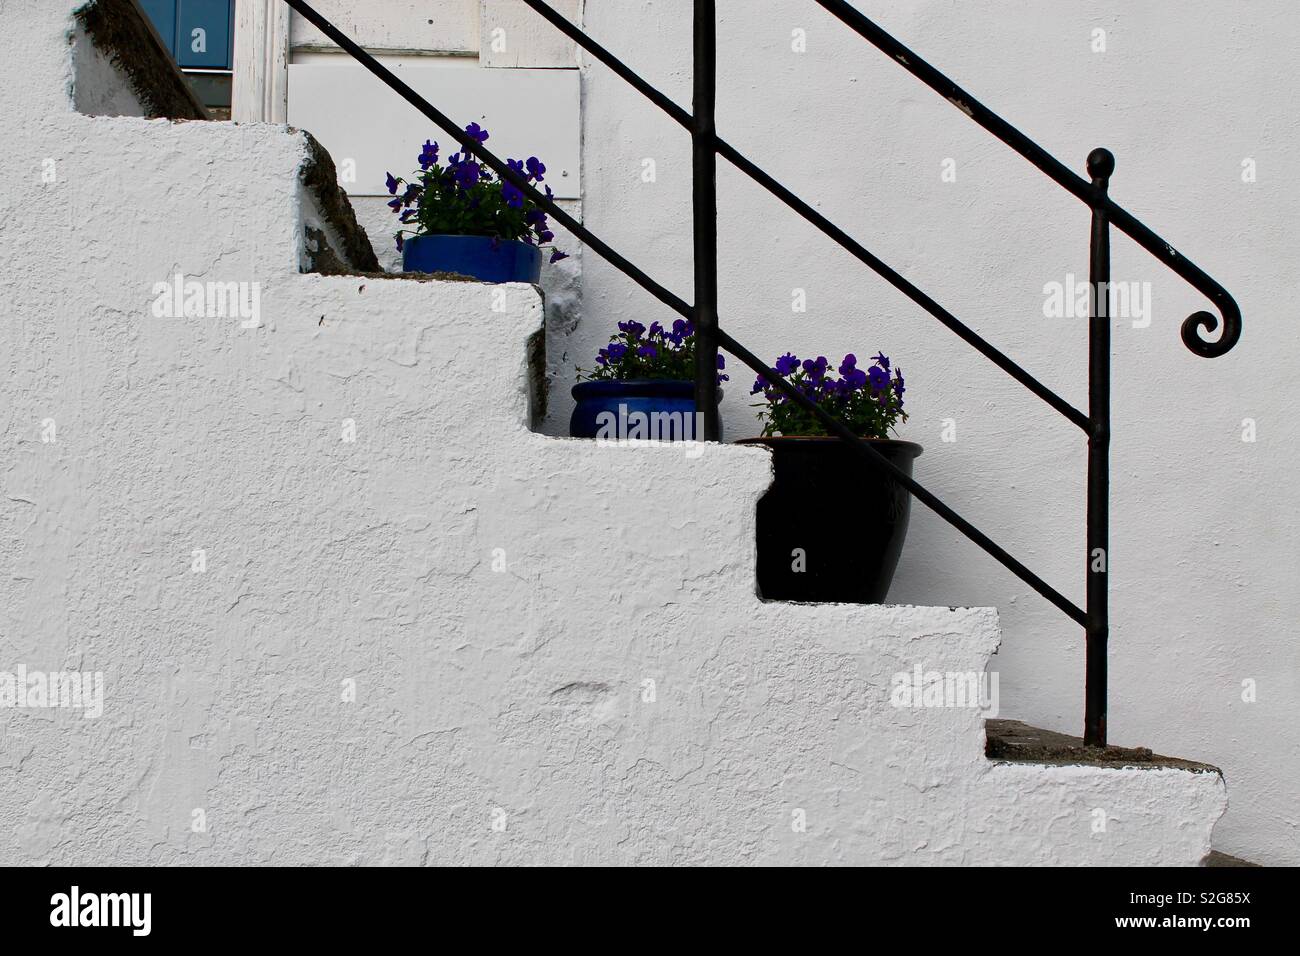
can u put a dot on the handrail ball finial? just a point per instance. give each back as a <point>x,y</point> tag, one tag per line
<point>1101,164</point>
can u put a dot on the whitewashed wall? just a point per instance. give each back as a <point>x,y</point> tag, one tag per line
<point>1204,531</point>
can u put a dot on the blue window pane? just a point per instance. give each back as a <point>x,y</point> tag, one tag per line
<point>203,34</point>
<point>163,15</point>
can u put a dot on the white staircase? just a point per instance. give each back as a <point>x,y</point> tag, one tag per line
<point>421,632</point>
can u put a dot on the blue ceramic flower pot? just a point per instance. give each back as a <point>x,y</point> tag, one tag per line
<point>479,257</point>
<point>636,408</point>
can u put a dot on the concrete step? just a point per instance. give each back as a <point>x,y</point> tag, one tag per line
<point>1065,803</point>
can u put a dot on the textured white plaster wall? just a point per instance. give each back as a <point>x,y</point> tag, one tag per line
<point>497,599</point>
<point>1204,558</point>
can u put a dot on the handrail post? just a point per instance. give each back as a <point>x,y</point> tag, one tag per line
<point>1101,164</point>
<point>704,206</point>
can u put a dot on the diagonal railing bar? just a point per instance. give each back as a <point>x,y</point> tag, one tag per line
<point>899,282</point>
<point>918,490</point>
<point>472,145</point>
<point>838,235</point>
<point>1065,177</point>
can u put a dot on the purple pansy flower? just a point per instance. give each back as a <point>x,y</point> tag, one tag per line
<point>429,154</point>
<point>467,174</point>
<point>786,364</point>
<point>816,370</point>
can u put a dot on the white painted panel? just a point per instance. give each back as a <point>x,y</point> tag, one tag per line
<point>445,26</point>
<point>513,35</point>
<point>355,116</point>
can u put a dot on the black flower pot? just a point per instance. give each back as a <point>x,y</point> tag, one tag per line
<point>831,527</point>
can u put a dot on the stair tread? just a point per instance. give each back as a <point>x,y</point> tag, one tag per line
<point>1013,741</point>
<point>1215,858</point>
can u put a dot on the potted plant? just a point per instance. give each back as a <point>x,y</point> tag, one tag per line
<point>643,386</point>
<point>831,527</point>
<point>465,220</point>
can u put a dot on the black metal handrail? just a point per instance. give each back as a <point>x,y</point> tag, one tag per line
<point>1089,192</point>
<point>706,146</point>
